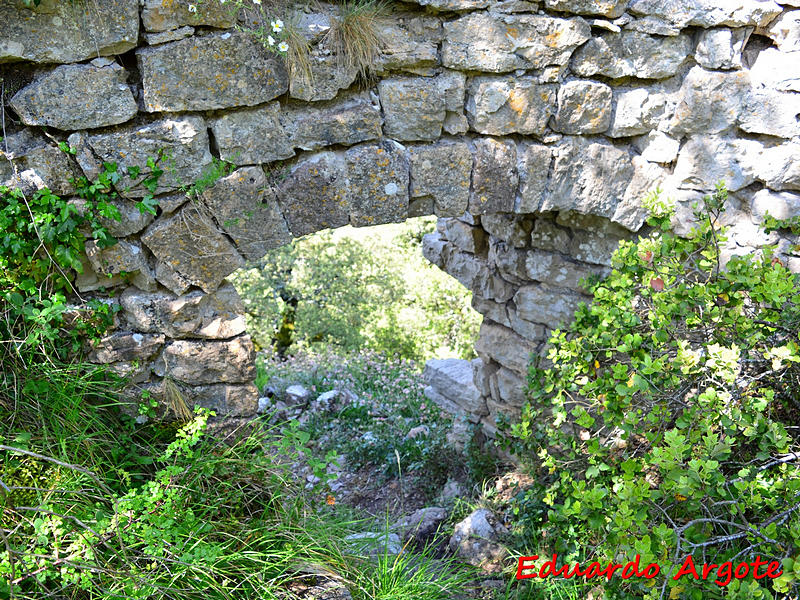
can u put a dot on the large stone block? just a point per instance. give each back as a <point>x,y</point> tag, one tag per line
<point>189,243</point>
<point>587,177</point>
<point>549,306</point>
<point>534,167</point>
<point>185,137</point>
<point>346,122</point>
<point>252,135</point>
<point>721,48</point>
<point>226,400</point>
<point>785,31</point>
<point>631,211</point>
<point>414,108</point>
<point>771,113</point>
<point>457,5</point>
<point>163,15</point>
<point>313,195</point>
<point>584,107</point>
<point>555,270</point>
<point>125,346</point>
<point>494,176</point>
<point>500,43</point>
<point>77,97</point>
<point>777,70</point>
<point>123,257</point>
<point>708,13</point>
<point>508,227</point>
<point>327,75</point>
<point>706,160</point>
<point>378,183</point>
<point>502,105</point>
<point>441,172</point>
<point>708,102</point>
<point>452,378</point>
<point>636,111</point>
<point>410,43</point>
<point>246,208</point>
<point>67,32</point>
<point>780,166</point>
<point>466,237</point>
<point>28,152</point>
<point>219,315</point>
<point>601,8</point>
<point>214,71</point>
<point>504,346</point>
<point>208,362</point>
<point>632,54</point>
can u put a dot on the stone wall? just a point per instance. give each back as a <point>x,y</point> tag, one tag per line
<point>532,129</point>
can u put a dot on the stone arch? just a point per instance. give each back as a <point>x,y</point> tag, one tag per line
<point>532,130</point>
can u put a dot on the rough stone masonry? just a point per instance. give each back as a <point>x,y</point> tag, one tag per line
<point>531,129</point>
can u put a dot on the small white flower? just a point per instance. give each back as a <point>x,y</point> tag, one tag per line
<point>277,25</point>
<point>283,46</point>
<point>257,2</point>
<point>192,8</point>
<point>270,40</point>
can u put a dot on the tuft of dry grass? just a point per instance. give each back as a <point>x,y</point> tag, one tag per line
<point>353,36</point>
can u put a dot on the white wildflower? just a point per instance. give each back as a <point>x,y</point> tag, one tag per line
<point>277,25</point>
<point>283,46</point>
<point>192,8</point>
<point>270,40</point>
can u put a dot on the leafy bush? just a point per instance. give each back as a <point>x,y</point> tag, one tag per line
<point>667,422</point>
<point>369,292</point>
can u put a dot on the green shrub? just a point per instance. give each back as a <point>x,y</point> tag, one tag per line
<point>666,425</point>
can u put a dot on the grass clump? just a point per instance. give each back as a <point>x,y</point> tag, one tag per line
<point>354,37</point>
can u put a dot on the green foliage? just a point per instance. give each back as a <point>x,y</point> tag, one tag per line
<point>667,423</point>
<point>369,292</point>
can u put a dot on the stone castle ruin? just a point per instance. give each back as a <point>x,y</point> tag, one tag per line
<point>533,130</point>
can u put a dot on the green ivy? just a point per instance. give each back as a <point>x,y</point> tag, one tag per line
<point>665,424</point>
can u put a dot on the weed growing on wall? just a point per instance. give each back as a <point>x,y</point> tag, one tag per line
<point>666,426</point>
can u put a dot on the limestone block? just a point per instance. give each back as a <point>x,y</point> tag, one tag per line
<point>705,160</point>
<point>781,205</point>
<point>219,315</point>
<point>594,247</point>
<point>535,332</point>
<point>63,32</point>
<point>636,111</point>
<point>153,39</point>
<point>507,227</point>
<point>163,15</point>
<point>185,137</point>
<point>225,400</point>
<point>410,42</point>
<point>252,135</point>
<point>708,13</point>
<point>433,248</point>
<point>549,306</point>
<point>504,346</point>
<point>123,257</point>
<point>587,177</point>
<point>548,236</point>
<point>632,54</point>
<point>313,195</point>
<point>502,105</point>
<point>77,97</point>
<point>474,273</point>
<point>123,346</point>
<point>500,43</point>
<point>214,71</point>
<point>583,107</point>
<point>658,147</point>
<point>602,8</point>
<point>247,210</point>
<point>510,387</point>
<point>442,171</point>
<point>777,70</point>
<point>452,378</point>
<point>49,165</point>
<point>555,270</point>
<point>708,102</point>
<point>171,279</point>
<point>465,237</point>
<point>494,176</point>
<point>346,122</point>
<point>414,108</point>
<point>378,183</point>
<point>534,166</point>
<point>509,262</point>
<point>721,48</point>
<point>494,311</point>
<point>771,113</point>
<point>780,166</point>
<point>131,221</point>
<point>785,31</point>
<point>631,212</point>
<point>189,244</point>
<point>204,362</point>
<point>326,77</point>
<point>454,5</point>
